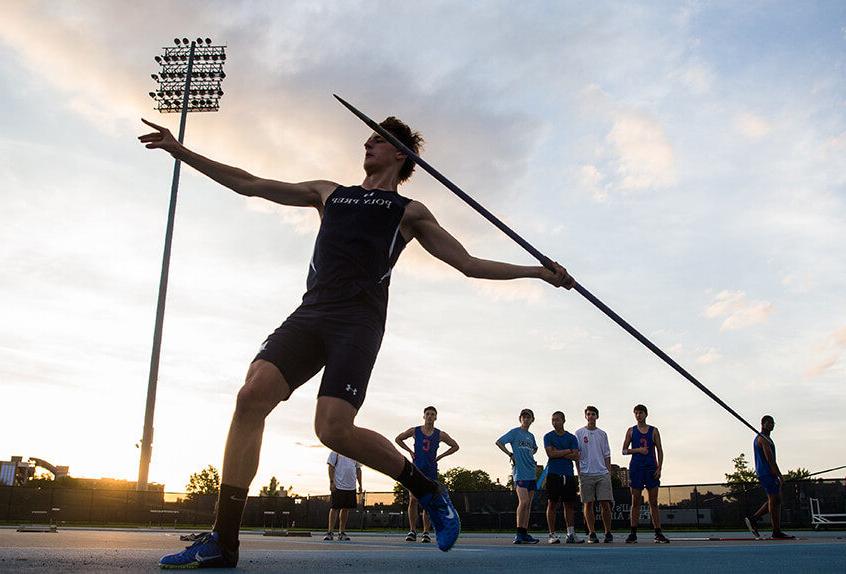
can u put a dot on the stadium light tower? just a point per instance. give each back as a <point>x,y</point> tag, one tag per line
<point>189,81</point>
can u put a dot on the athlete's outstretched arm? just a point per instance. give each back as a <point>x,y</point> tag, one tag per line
<point>419,223</point>
<point>303,194</point>
<point>453,446</point>
<point>402,437</point>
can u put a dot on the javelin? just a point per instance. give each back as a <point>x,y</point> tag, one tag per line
<point>543,259</point>
<point>825,471</point>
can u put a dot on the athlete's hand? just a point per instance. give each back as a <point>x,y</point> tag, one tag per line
<point>159,139</point>
<point>557,278</point>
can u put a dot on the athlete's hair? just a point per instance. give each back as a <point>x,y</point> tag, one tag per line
<point>640,408</point>
<point>559,413</point>
<point>430,408</point>
<point>528,412</point>
<point>409,137</point>
<point>766,418</point>
<point>592,409</point>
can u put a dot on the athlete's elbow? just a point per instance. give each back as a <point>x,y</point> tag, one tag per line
<point>469,267</point>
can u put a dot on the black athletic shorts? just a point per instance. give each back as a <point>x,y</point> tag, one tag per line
<point>562,488</point>
<point>344,337</point>
<point>343,499</point>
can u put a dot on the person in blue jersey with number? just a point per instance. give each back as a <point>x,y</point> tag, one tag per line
<point>562,448</point>
<point>425,456</point>
<point>643,443</point>
<point>522,455</point>
<point>770,477</point>
<point>338,328</point>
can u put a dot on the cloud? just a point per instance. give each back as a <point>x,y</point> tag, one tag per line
<point>752,126</point>
<point>590,179</point>
<point>697,77</point>
<point>828,353</point>
<point>709,356</point>
<point>739,312</point>
<point>644,156</point>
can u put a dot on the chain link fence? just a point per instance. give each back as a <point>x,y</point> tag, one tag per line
<point>704,506</point>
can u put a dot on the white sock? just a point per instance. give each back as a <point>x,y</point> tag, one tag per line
<point>571,531</point>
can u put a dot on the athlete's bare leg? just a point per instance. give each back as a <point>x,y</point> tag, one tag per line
<point>590,517</point>
<point>654,513</point>
<point>265,387</point>
<point>334,423</point>
<point>637,501</point>
<point>412,513</point>
<point>344,514</point>
<point>570,514</point>
<point>606,515</point>
<point>524,505</point>
<point>333,516</point>
<point>550,514</point>
<point>774,503</point>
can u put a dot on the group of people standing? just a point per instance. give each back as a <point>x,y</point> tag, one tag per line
<point>579,470</point>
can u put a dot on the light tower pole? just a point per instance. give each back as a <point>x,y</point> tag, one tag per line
<point>189,81</point>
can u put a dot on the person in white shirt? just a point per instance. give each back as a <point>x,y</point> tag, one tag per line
<point>343,474</point>
<point>595,474</point>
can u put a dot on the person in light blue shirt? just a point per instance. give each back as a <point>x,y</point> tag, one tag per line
<point>522,455</point>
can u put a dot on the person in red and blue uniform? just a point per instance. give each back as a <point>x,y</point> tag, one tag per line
<point>643,443</point>
<point>770,477</point>
<point>425,457</point>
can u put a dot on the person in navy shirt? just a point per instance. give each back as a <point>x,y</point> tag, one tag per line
<point>339,326</point>
<point>425,456</point>
<point>522,455</point>
<point>643,443</point>
<point>771,479</point>
<point>562,448</point>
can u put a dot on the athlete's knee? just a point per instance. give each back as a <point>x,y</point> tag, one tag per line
<point>260,394</point>
<point>334,432</point>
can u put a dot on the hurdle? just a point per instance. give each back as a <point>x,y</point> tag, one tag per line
<point>818,519</point>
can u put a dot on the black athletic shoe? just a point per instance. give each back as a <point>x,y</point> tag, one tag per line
<point>329,536</point>
<point>752,525</point>
<point>632,538</point>
<point>425,539</point>
<point>411,536</point>
<point>661,539</point>
<point>571,539</point>
<point>779,535</point>
<point>592,539</point>
<point>342,537</point>
<point>609,538</point>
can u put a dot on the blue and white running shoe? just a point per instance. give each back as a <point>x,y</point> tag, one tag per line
<point>444,518</point>
<point>206,552</point>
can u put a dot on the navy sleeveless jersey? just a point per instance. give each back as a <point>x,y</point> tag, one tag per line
<point>762,467</point>
<point>426,449</point>
<point>357,246</point>
<point>639,440</point>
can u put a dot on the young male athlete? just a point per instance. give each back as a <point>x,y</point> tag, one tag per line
<point>522,455</point>
<point>643,443</point>
<point>343,474</point>
<point>562,448</point>
<point>595,474</point>
<point>769,474</point>
<point>425,456</point>
<point>338,326</point>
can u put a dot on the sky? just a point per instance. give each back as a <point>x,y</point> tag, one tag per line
<point>686,161</point>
